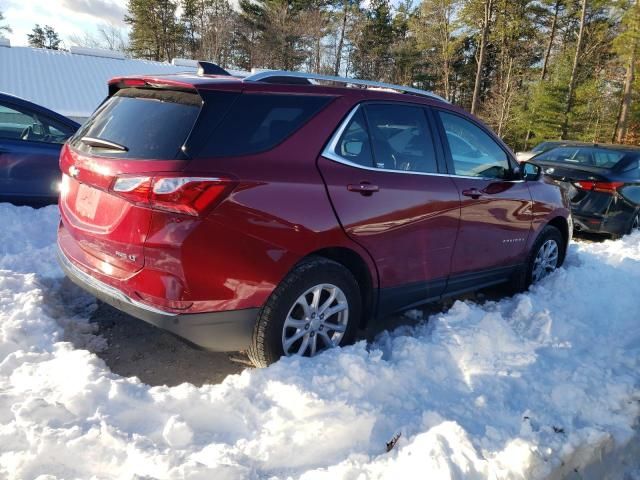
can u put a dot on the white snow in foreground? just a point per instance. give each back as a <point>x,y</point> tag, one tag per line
<point>533,386</point>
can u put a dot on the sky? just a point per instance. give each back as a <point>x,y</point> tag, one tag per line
<point>67,17</point>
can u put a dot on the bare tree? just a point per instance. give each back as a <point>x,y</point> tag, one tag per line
<point>631,35</point>
<point>107,36</point>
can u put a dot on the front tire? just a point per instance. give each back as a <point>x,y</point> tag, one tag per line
<point>317,306</point>
<point>546,255</point>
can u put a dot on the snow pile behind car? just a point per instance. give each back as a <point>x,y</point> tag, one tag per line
<point>533,386</point>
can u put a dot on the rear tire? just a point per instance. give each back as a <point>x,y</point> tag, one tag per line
<point>540,261</point>
<point>286,317</point>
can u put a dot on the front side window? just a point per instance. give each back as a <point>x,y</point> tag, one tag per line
<point>401,138</point>
<point>473,151</point>
<point>30,126</point>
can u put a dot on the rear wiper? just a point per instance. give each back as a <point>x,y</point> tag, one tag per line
<point>100,143</point>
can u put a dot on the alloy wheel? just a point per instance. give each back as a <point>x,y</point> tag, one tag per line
<point>546,260</point>
<point>317,320</point>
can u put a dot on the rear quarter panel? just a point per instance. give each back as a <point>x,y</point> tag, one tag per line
<point>278,213</point>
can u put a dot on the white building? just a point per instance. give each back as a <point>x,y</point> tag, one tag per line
<point>72,83</point>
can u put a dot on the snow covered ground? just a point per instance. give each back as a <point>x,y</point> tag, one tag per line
<point>541,385</point>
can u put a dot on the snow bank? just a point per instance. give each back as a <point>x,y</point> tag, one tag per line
<point>533,386</point>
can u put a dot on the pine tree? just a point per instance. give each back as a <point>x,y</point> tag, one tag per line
<point>372,45</point>
<point>155,31</point>
<point>44,37</point>
<point>190,26</point>
<point>433,27</point>
<point>4,28</point>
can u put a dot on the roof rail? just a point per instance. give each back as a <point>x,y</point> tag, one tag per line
<point>282,76</point>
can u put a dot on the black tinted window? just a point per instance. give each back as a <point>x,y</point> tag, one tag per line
<point>473,151</point>
<point>150,124</point>
<point>401,138</point>
<point>587,156</point>
<point>258,122</point>
<point>354,144</point>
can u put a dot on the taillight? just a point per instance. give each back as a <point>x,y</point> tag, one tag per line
<point>605,187</point>
<point>188,195</point>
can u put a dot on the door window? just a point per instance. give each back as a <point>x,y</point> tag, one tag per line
<point>473,151</point>
<point>401,138</point>
<point>30,126</point>
<point>354,144</point>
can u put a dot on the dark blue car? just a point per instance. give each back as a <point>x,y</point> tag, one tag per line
<point>30,140</point>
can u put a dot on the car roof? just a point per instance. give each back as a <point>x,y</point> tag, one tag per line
<point>606,146</point>
<point>281,83</point>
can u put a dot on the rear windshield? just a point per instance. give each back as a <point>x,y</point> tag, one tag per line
<point>541,147</point>
<point>258,122</point>
<point>583,156</point>
<point>147,124</point>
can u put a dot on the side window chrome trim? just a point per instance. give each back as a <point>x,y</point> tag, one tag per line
<point>330,153</point>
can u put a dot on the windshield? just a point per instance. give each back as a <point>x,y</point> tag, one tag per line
<point>584,156</point>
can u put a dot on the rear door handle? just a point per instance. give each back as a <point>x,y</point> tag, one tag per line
<point>363,188</point>
<point>473,193</point>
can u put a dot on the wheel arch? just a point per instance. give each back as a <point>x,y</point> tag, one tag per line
<point>359,268</point>
<point>562,225</point>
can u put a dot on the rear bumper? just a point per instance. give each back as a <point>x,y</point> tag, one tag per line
<point>224,331</point>
<point>610,224</point>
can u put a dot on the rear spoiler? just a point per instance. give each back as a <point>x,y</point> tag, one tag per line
<point>119,83</point>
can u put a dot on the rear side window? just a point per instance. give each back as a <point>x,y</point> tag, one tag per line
<point>147,124</point>
<point>259,122</point>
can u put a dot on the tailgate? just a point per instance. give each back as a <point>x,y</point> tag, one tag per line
<point>109,230</point>
<point>137,132</point>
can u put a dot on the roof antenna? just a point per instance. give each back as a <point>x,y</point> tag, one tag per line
<point>209,68</point>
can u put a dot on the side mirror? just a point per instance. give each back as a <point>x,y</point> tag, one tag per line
<point>530,171</point>
<point>353,148</point>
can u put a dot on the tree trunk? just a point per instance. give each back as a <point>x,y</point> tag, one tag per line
<point>343,28</point>
<point>625,107</point>
<point>504,111</point>
<point>446,67</point>
<point>552,34</point>
<point>488,8</point>
<point>574,72</point>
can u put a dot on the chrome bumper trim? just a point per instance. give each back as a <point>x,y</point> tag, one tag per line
<point>102,287</point>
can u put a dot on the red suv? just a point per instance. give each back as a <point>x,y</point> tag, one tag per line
<point>282,212</point>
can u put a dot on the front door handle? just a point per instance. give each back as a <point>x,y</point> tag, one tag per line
<point>473,193</point>
<point>363,188</point>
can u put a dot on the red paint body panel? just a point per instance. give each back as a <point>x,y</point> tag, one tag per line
<point>495,227</point>
<point>409,226</point>
<point>288,203</point>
